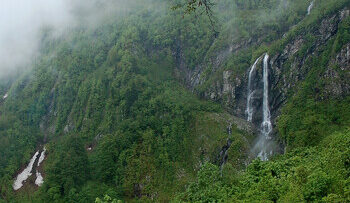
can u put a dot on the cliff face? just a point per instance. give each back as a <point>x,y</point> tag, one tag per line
<point>287,68</point>
<point>338,84</point>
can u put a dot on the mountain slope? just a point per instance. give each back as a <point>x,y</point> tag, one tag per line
<point>151,107</point>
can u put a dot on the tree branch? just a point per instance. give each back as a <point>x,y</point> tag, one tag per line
<point>193,5</point>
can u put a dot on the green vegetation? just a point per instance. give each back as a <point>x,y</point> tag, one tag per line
<point>119,124</point>
<point>311,114</point>
<point>315,174</point>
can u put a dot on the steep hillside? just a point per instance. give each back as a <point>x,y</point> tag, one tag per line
<point>155,106</point>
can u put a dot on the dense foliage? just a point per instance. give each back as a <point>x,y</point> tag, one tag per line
<point>119,124</point>
<point>304,175</point>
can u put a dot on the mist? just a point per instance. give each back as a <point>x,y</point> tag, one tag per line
<point>22,22</point>
<point>20,25</point>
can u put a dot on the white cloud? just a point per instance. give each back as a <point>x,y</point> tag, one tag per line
<point>20,24</point>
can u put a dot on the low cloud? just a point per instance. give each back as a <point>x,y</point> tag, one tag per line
<point>20,25</point>
<point>21,22</point>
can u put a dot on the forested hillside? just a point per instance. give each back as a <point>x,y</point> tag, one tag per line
<point>151,105</point>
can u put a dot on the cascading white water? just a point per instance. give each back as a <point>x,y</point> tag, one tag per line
<point>39,178</point>
<point>266,126</point>
<point>310,8</point>
<point>264,144</point>
<point>42,156</point>
<point>5,96</point>
<point>25,174</point>
<point>249,109</point>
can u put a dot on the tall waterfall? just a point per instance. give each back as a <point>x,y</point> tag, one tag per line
<point>251,92</point>
<point>264,142</point>
<point>310,7</point>
<point>264,145</point>
<point>266,126</point>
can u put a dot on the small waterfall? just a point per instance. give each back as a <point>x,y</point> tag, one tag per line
<point>223,156</point>
<point>310,7</point>
<point>25,174</point>
<point>42,156</point>
<point>5,96</point>
<point>251,92</point>
<point>39,178</point>
<point>38,158</point>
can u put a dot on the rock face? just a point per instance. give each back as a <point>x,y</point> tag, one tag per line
<point>337,75</point>
<point>286,69</point>
<point>286,75</point>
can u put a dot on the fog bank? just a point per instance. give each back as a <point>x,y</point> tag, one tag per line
<point>21,22</point>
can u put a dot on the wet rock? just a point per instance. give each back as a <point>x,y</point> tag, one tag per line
<point>223,155</point>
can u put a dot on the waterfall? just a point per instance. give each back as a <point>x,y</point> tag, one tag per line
<point>26,173</point>
<point>264,144</point>
<point>310,8</point>
<point>266,126</point>
<point>39,178</point>
<point>251,92</point>
<point>42,156</point>
<point>5,96</point>
<point>223,156</point>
